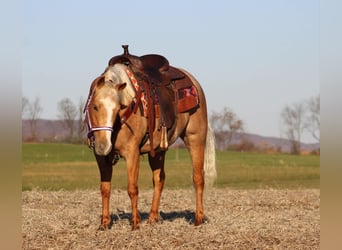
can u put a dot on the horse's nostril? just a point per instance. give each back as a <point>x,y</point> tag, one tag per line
<point>102,148</point>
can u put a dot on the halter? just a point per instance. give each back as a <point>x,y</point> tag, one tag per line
<point>91,128</point>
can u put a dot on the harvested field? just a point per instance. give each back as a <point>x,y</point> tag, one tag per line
<point>237,219</point>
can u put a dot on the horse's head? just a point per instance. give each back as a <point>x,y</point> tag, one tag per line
<point>102,108</point>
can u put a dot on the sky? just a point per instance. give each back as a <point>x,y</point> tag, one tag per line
<point>254,57</point>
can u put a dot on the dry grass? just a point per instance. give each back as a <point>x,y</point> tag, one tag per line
<point>238,219</point>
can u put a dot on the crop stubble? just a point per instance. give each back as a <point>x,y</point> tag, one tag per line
<point>237,219</point>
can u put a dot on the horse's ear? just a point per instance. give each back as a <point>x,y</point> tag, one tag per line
<point>120,86</point>
<point>97,82</point>
<point>100,80</point>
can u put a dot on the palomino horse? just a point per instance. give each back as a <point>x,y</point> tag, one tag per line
<point>119,127</point>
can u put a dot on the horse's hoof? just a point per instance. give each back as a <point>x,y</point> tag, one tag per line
<point>103,227</point>
<point>204,220</point>
<point>154,219</point>
<point>135,222</point>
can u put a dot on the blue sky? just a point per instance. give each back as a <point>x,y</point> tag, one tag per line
<point>252,56</point>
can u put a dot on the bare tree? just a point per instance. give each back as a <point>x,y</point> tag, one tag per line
<point>81,105</point>
<point>34,110</point>
<point>24,106</point>
<point>293,117</point>
<point>313,117</point>
<point>225,124</point>
<point>67,112</point>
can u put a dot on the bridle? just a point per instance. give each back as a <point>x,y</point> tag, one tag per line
<point>91,128</point>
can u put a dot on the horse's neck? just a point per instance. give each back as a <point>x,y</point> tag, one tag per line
<point>119,75</point>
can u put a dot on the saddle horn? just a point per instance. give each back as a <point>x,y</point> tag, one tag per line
<point>125,47</point>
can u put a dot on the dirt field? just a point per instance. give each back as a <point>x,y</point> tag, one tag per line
<point>253,219</point>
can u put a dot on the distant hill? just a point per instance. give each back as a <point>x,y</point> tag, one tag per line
<point>55,131</point>
<point>282,144</point>
<point>47,130</point>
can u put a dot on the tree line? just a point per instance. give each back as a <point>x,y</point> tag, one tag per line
<point>68,114</point>
<point>296,118</point>
<point>300,117</point>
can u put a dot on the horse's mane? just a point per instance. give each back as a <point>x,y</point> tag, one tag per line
<point>116,74</point>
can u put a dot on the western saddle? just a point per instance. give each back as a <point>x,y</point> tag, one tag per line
<point>161,84</point>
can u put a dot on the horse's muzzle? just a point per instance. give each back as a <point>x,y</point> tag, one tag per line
<point>102,149</point>
<point>102,142</point>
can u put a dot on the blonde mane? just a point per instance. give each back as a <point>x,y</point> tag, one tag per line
<point>116,74</point>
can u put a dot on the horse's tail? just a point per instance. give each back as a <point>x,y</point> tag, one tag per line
<point>210,158</point>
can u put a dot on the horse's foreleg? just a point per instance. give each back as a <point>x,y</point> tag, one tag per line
<point>105,193</point>
<point>157,166</point>
<point>106,169</point>
<point>132,186</point>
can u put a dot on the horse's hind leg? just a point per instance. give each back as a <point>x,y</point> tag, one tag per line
<point>157,167</point>
<point>195,142</point>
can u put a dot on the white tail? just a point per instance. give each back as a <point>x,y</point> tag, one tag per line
<point>210,158</point>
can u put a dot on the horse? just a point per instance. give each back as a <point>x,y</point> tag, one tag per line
<point>118,130</point>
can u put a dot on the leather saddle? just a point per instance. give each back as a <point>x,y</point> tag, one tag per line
<point>159,74</point>
<point>160,82</point>
<point>154,68</point>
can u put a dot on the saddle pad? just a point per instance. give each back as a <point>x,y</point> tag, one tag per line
<point>187,100</point>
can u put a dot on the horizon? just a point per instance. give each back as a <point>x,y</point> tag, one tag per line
<point>243,132</point>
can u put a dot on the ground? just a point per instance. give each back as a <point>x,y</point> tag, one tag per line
<point>237,219</point>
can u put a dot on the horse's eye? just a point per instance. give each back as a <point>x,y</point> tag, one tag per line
<point>96,108</point>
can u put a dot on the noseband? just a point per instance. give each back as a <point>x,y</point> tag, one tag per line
<point>91,134</point>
